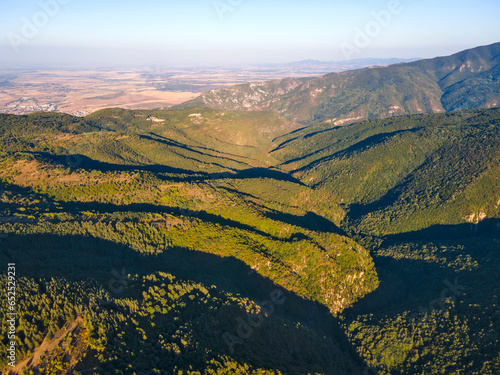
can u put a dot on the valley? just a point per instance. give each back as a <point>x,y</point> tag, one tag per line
<point>80,92</point>
<point>263,228</point>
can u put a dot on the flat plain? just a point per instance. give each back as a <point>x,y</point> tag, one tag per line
<point>80,92</point>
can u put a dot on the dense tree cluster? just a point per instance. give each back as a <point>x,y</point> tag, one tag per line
<point>167,252</point>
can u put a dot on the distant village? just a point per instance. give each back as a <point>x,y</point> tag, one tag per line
<point>27,105</point>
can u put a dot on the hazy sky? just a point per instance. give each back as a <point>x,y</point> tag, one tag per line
<point>214,32</point>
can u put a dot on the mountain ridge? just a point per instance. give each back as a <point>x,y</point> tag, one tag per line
<point>465,80</point>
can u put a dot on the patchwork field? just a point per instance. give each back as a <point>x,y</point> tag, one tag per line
<point>82,92</point>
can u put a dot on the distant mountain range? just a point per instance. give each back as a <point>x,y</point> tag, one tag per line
<point>323,67</point>
<point>465,80</point>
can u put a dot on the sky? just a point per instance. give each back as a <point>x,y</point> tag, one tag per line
<point>99,33</point>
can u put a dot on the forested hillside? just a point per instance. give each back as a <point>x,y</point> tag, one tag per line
<point>403,174</point>
<point>422,193</point>
<point>466,80</point>
<point>202,238</point>
<point>200,241</point>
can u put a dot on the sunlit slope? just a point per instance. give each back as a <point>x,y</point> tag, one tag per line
<point>181,207</point>
<point>242,136</point>
<point>244,96</point>
<point>406,173</point>
<point>466,80</point>
<point>276,225</point>
<point>194,140</point>
<point>209,212</point>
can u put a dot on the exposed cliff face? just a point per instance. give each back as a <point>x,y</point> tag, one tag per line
<point>246,96</point>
